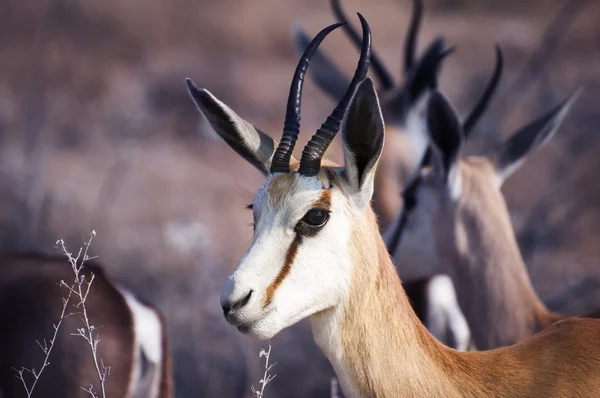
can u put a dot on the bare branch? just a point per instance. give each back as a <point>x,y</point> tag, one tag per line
<point>267,377</point>
<point>47,350</point>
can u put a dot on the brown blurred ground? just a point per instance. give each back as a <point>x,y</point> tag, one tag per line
<point>97,131</point>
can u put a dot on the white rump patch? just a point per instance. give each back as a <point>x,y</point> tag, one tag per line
<point>148,341</point>
<point>444,318</point>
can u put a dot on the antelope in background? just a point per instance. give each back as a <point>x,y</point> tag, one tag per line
<point>317,252</point>
<point>494,288</point>
<point>433,297</point>
<point>402,105</point>
<point>133,338</point>
<point>457,213</point>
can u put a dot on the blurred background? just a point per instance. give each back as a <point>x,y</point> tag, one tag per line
<point>97,132</point>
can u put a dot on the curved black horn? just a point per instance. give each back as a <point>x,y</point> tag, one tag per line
<point>316,147</point>
<point>291,125</point>
<point>387,83</point>
<point>411,37</point>
<point>481,105</point>
<point>422,76</point>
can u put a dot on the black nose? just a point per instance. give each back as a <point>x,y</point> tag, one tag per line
<point>227,307</point>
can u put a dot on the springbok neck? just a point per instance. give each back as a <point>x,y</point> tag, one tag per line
<point>457,222</point>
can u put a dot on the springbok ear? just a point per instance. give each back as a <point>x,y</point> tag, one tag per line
<point>249,142</point>
<point>446,138</point>
<point>326,75</point>
<point>513,153</point>
<point>362,134</point>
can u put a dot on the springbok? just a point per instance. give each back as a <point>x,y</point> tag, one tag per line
<point>317,252</point>
<point>133,339</point>
<point>434,296</point>
<point>455,213</point>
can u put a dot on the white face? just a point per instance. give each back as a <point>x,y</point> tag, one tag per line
<point>292,269</point>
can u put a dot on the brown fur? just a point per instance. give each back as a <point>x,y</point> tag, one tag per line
<point>30,303</point>
<point>324,201</point>
<point>493,285</point>
<point>389,353</point>
<point>166,388</point>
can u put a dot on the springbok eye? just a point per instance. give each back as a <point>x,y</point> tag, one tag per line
<point>316,218</point>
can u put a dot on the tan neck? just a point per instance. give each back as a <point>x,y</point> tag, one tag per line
<point>491,278</point>
<point>374,340</point>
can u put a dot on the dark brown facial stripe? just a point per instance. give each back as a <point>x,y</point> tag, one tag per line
<point>324,201</point>
<point>284,271</point>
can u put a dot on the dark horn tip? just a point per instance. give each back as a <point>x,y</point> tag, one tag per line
<point>333,27</point>
<point>444,54</point>
<point>498,49</point>
<point>364,23</point>
<point>482,103</point>
<point>449,51</point>
<point>439,42</point>
<point>499,57</point>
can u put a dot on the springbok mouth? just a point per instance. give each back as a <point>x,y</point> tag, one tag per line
<point>246,326</point>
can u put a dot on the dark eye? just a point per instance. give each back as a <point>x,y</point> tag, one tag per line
<point>316,217</point>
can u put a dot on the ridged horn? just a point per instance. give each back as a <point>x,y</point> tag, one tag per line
<point>481,105</point>
<point>411,37</point>
<point>291,125</point>
<point>313,152</point>
<point>384,77</point>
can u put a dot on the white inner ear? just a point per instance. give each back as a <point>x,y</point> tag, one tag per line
<point>504,173</point>
<point>416,129</point>
<point>360,196</point>
<point>250,136</point>
<point>455,182</point>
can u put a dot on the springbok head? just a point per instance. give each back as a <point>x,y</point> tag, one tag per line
<point>454,210</point>
<point>402,104</point>
<point>299,260</point>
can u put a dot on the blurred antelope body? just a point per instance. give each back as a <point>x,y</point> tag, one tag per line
<point>317,253</point>
<point>460,222</point>
<point>133,341</point>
